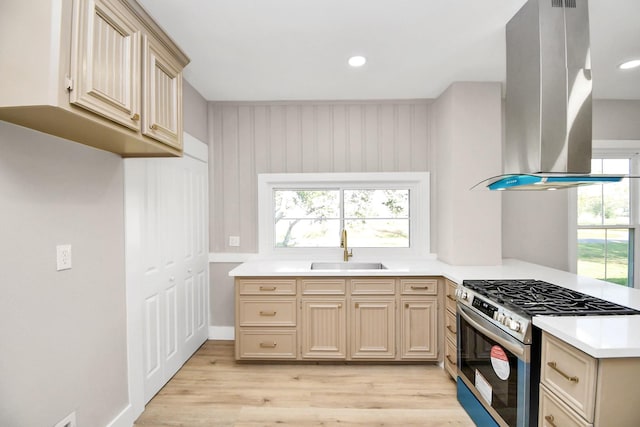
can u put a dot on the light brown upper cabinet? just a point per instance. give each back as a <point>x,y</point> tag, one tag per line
<point>98,72</point>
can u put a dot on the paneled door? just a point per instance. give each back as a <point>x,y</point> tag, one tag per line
<point>323,323</point>
<point>167,265</point>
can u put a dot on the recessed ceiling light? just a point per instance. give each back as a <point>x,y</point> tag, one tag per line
<point>630,64</point>
<point>357,61</point>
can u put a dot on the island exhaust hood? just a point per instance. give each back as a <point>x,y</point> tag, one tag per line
<point>548,99</point>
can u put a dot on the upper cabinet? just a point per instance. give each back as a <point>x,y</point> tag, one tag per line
<point>98,72</point>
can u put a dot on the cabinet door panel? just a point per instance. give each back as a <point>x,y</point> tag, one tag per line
<point>323,328</point>
<point>105,63</point>
<point>162,97</point>
<point>373,328</point>
<point>419,328</point>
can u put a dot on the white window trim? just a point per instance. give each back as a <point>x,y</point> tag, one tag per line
<point>610,149</point>
<point>419,208</point>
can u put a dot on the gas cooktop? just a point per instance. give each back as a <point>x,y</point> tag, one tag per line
<point>535,297</point>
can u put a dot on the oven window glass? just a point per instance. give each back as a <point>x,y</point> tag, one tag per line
<point>492,368</point>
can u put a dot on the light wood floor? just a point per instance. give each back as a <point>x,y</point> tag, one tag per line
<point>213,390</point>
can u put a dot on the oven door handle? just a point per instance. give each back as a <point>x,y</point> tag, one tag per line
<point>514,346</point>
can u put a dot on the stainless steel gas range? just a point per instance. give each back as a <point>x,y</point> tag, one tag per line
<point>499,348</point>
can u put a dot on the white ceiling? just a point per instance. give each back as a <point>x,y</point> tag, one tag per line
<point>298,49</point>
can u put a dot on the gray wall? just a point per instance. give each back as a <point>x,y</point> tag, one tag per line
<point>63,333</point>
<point>536,225</point>
<point>467,135</point>
<point>195,112</point>
<point>252,138</point>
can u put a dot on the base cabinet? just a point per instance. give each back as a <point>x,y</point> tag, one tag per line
<point>579,390</point>
<point>337,318</point>
<point>450,330</point>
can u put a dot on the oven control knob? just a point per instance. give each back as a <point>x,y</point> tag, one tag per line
<point>501,317</point>
<point>461,294</point>
<point>506,321</point>
<point>514,325</point>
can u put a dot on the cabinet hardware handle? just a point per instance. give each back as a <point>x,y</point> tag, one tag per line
<point>453,362</point>
<point>339,305</point>
<point>135,117</point>
<point>172,279</point>
<point>268,344</point>
<point>154,127</point>
<point>451,298</point>
<point>406,305</point>
<point>554,366</point>
<point>419,287</point>
<point>357,305</point>
<point>453,331</point>
<point>550,419</point>
<point>267,288</point>
<point>268,313</point>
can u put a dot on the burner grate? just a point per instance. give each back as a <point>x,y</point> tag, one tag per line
<point>535,298</point>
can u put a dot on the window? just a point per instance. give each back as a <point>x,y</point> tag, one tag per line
<point>374,218</point>
<point>383,213</point>
<point>606,225</point>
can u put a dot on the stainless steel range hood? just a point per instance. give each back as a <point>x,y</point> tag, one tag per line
<point>548,98</point>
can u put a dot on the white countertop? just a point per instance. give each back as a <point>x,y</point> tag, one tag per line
<point>599,336</point>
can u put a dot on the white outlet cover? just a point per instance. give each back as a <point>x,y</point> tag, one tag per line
<point>234,240</point>
<point>63,257</point>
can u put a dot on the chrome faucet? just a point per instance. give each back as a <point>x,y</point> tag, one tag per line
<point>343,244</point>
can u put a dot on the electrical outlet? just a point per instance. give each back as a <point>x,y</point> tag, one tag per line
<point>234,240</point>
<point>63,257</point>
<point>68,421</point>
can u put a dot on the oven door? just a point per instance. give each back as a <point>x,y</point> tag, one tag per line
<point>495,368</point>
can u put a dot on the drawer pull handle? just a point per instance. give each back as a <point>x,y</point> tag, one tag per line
<point>419,287</point>
<point>554,366</point>
<point>453,362</point>
<point>450,329</point>
<point>267,288</point>
<point>268,344</point>
<point>451,297</point>
<point>550,419</point>
<point>268,313</point>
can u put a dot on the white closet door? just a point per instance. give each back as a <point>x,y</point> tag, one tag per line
<point>167,266</point>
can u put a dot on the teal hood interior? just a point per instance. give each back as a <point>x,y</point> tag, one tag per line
<point>537,182</point>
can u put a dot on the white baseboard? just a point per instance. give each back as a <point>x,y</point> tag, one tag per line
<point>126,418</point>
<point>221,333</point>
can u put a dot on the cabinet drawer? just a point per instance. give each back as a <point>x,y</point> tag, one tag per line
<point>450,358</point>
<point>450,330</point>
<point>373,286</point>
<point>419,286</point>
<point>570,374</point>
<point>267,286</point>
<point>266,344</point>
<point>323,286</point>
<point>450,295</point>
<point>267,312</point>
<point>553,412</point>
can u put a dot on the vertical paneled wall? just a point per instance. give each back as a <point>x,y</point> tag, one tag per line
<point>280,137</point>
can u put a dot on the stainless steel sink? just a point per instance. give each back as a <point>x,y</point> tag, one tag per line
<point>347,266</point>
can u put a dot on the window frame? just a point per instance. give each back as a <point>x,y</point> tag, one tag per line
<point>612,150</point>
<point>419,209</point>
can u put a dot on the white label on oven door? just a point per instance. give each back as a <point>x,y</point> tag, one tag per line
<point>483,387</point>
<point>500,362</point>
